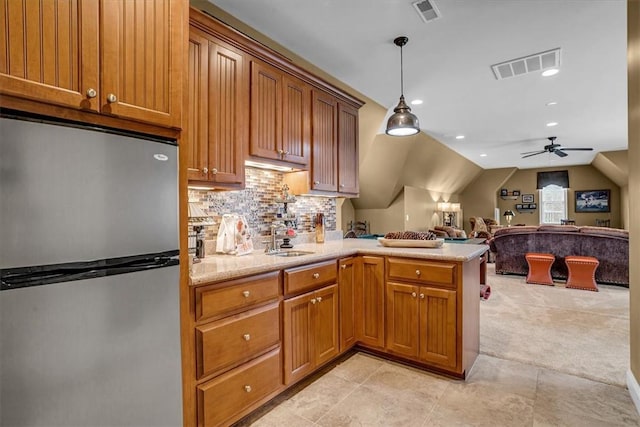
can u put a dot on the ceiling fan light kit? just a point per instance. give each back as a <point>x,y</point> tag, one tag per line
<point>554,148</point>
<point>402,122</point>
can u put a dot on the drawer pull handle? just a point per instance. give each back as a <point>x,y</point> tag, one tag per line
<point>246,337</point>
<point>319,299</point>
<point>316,275</point>
<point>413,294</point>
<point>313,300</point>
<point>343,266</point>
<point>422,296</point>
<point>205,170</point>
<point>246,294</point>
<point>418,273</point>
<point>316,182</point>
<point>247,388</point>
<point>214,171</point>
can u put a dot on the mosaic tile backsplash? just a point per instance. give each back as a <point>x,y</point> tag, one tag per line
<point>257,202</point>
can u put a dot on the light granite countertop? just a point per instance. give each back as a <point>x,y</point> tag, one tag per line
<point>224,267</point>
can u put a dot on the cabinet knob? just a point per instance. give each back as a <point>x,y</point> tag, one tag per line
<point>214,171</point>
<point>341,185</point>
<point>91,93</point>
<point>413,294</point>
<point>246,294</point>
<point>246,337</point>
<point>247,388</point>
<point>284,153</point>
<point>343,266</point>
<point>422,296</point>
<point>111,98</point>
<point>319,299</point>
<point>418,273</point>
<point>316,182</point>
<point>205,170</point>
<point>316,275</point>
<point>313,300</point>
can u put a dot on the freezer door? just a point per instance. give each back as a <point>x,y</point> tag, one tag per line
<point>98,352</point>
<point>70,194</point>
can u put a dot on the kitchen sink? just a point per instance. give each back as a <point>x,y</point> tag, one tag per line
<point>291,253</point>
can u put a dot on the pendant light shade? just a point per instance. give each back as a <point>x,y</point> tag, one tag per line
<point>402,122</point>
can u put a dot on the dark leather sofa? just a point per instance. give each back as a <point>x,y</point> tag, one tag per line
<point>609,245</point>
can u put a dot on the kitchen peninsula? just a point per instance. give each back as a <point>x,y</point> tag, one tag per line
<point>263,322</point>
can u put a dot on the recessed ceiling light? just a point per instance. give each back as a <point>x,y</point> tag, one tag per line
<point>550,72</point>
<point>552,124</point>
<point>459,136</point>
<point>416,102</point>
<point>483,155</point>
<point>550,103</point>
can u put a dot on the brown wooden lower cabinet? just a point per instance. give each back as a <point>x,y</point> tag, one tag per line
<point>222,398</point>
<point>310,327</point>
<point>424,312</point>
<point>347,278</point>
<point>369,305</point>
<point>421,323</point>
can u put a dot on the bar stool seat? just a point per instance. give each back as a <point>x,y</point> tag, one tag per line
<point>582,272</point>
<point>539,268</point>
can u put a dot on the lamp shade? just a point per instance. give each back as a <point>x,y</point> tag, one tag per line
<point>444,206</point>
<point>402,122</point>
<point>508,213</point>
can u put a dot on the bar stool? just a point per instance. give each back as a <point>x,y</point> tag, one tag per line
<point>582,272</point>
<point>539,268</point>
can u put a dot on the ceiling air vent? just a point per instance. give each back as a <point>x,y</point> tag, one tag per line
<point>528,64</point>
<point>427,10</point>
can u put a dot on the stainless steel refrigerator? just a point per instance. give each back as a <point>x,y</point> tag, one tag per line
<point>89,296</point>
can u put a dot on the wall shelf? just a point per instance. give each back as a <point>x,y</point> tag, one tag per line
<point>509,197</point>
<point>526,210</point>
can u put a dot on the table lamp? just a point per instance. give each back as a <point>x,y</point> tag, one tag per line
<point>508,215</point>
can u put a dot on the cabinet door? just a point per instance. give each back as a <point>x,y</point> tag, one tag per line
<point>298,340</point>
<point>143,44</point>
<point>325,324</point>
<point>196,132</point>
<point>347,150</point>
<point>228,114</point>
<point>369,305</point>
<point>296,121</point>
<point>402,319</point>
<point>266,111</point>
<point>347,285</point>
<point>324,160</point>
<point>51,51</point>
<point>438,326</point>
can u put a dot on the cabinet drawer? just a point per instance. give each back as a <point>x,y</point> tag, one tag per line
<point>428,272</point>
<point>216,300</point>
<point>227,395</point>
<point>233,340</point>
<point>309,277</point>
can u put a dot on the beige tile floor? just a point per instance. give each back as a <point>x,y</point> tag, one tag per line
<point>367,391</point>
<point>501,390</point>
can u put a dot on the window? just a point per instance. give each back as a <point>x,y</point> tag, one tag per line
<point>553,204</point>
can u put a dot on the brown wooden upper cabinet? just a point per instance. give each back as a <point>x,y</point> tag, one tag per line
<point>335,145</point>
<point>324,161</point>
<point>280,116</point>
<point>117,57</point>
<point>218,104</point>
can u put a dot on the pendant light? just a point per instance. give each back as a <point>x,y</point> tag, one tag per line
<point>402,122</point>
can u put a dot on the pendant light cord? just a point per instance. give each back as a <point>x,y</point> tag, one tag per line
<point>401,74</point>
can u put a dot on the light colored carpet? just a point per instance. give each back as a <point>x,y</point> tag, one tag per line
<point>578,332</point>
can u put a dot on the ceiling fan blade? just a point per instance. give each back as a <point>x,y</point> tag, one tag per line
<point>577,149</point>
<point>560,153</point>
<point>530,152</point>
<point>534,154</point>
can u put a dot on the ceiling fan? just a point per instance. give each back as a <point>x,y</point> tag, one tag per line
<point>554,148</point>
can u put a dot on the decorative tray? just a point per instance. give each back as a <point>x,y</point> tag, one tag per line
<point>410,243</point>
